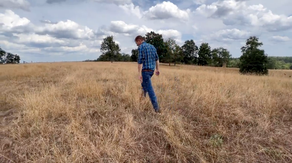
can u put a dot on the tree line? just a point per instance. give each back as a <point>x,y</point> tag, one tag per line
<point>6,57</point>
<point>252,60</point>
<point>273,62</point>
<point>169,52</point>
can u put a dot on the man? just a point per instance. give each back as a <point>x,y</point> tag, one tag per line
<point>148,60</point>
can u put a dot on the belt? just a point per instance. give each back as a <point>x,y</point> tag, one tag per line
<point>148,70</point>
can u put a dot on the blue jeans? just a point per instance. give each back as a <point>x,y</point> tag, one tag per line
<point>147,88</point>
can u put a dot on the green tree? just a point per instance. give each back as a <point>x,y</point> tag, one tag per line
<point>110,50</point>
<point>125,57</point>
<point>215,58</point>
<point>204,54</point>
<point>190,52</point>
<point>225,56</point>
<point>134,56</point>
<point>170,48</point>
<point>178,54</point>
<point>157,41</point>
<point>291,67</point>
<point>253,59</point>
<point>233,62</point>
<point>271,63</point>
<point>11,58</point>
<point>2,52</point>
<point>220,57</point>
<point>174,52</point>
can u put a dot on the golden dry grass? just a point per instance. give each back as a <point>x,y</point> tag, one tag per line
<point>91,112</point>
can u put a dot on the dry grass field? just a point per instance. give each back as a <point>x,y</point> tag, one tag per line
<point>92,112</point>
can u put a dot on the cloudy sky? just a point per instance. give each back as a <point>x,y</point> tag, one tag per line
<point>72,30</point>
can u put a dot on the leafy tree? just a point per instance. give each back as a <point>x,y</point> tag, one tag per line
<point>291,67</point>
<point>280,64</point>
<point>224,56</point>
<point>284,59</point>
<point>253,59</point>
<point>215,58</point>
<point>174,52</point>
<point>271,63</point>
<point>11,58</point>
<point>170,48</point>
<point>110,50</point>
<point>220,57</point>
<point>233,62</point>
<point>178,54</point>
<point>2,52</point>
<point>134,56</point>
<point>190,52</point>
<point>157,41</point>
<point>204,54</point>
<point>103,57</point>
<point>125,57</point>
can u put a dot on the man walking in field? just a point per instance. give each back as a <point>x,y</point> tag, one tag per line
<point>148,60</point>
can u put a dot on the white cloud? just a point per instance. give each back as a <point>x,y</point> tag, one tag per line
<point>22,4</point>
<point>55,1</point>
<point>10,45</point>
<point>67,29</point>
<point>17,48</point>
<point>171,33</point>
<point>143,30</point>
<point>122,27</point>
<point>119,2</point>
<point>230,35</point>
<point>234,12</point>
<point>10,20</point>
<point>81,47</point>
<point>132,9</point>
<point>198,2</point>
<point>281,38</point>
<point>166,10</point>
<point>220,8</point>
<point>128,29</point>
<point>38,39</point>
<point>48,38</point>
<point>206,10</point>
<point>131,29</point>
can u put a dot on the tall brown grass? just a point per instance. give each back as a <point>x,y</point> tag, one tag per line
<point>92,112</point>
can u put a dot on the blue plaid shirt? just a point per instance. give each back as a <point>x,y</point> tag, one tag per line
<point>147,56</point>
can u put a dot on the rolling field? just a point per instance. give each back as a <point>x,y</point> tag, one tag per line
<point>92,112</point>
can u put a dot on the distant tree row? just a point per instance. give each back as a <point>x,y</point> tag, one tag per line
<point>273,63</point>
<point>189,53</point>
<point>252,60</point>
<point>8,57</point>
<point>169,52</point>
<point>279,63</point>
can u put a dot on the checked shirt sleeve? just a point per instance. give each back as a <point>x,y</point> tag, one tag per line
<point>140,55</point>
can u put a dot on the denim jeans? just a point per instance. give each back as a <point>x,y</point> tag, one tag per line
<point>147,88</point>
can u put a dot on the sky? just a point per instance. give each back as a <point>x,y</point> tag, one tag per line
<point>73,30</point>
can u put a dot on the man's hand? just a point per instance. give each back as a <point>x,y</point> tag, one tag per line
<point>140,78</point>
<point>157,72</point>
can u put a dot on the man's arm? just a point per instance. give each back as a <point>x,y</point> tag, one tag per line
<point>157,62</point>
<point>140,69</point>
<point>140,61</point>
<point>157,65</point>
